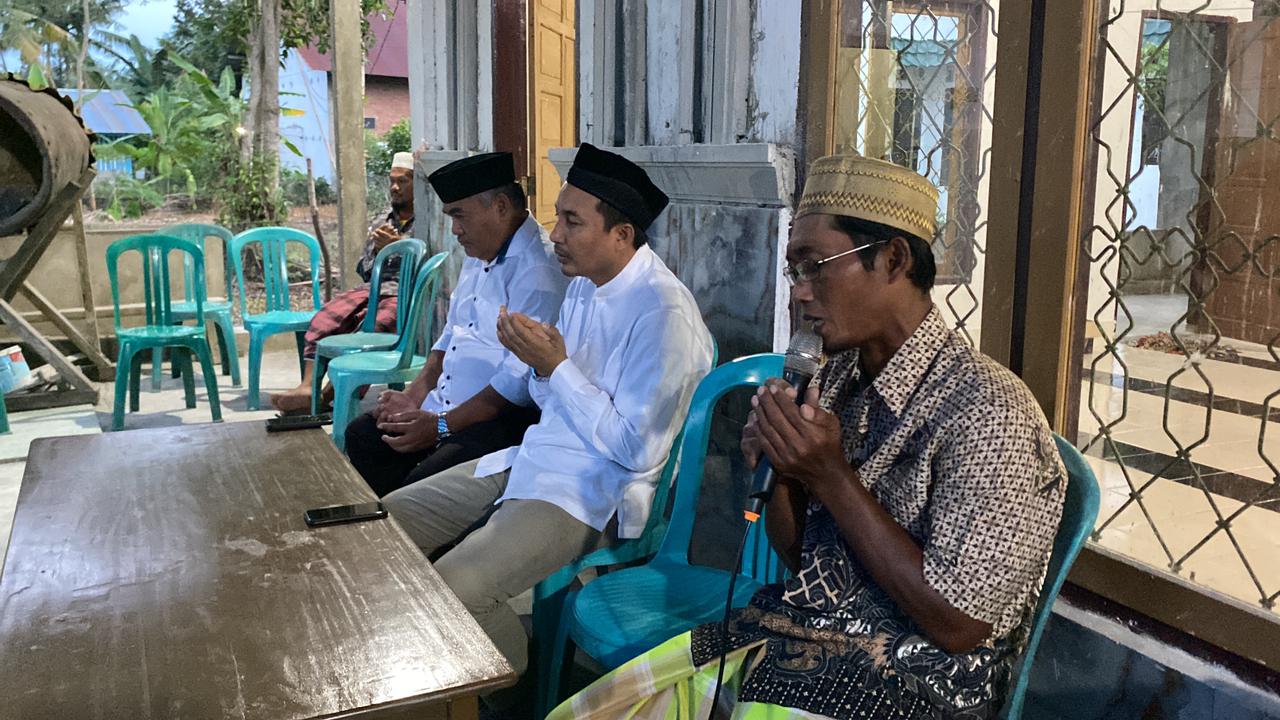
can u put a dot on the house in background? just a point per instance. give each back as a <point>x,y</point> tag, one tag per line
<point>305,90</point>
<point>306,82</point>
<point>386,69</point>
<point>110,115</point>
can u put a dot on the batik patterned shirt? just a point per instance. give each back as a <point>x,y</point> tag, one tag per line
<point>955,448</point>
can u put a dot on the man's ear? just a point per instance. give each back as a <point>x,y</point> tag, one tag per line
<point>898,258</point>
<point>501,203</point>
<point>625,232</point>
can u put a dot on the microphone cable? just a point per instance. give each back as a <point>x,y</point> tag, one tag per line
<point>728,609</point>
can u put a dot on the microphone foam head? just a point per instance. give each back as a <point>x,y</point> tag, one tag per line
<point>804,353</point>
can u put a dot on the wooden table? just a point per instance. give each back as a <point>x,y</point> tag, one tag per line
<point>168,574</point>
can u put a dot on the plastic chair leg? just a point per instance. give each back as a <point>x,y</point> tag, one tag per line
<point>317,382</point>
<point>227,343</point>
<point>4,416</point>
<point>210,380</point>
<point>550,678</point>
<point>124,370</point>
<point>255,367</point>
<point>301,339</point>
<point>182,361</point>
<point>344,402</point>
<point>135,381</point>
<point>223,361</point>
<point>157,361</point>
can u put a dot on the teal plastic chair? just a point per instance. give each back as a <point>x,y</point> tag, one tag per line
<point>410,252</point>
<point>4,416</point>
<point>624,613</point>
<point>216,310</point>
<point>278,317</point>
<point>400,364</point>
<point>1079,513</point>
<point>160,330</point>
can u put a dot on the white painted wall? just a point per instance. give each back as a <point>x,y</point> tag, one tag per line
<point>775,72</point>
<point>306,91</point>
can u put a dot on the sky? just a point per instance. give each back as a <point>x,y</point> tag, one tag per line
<point>147,20</point>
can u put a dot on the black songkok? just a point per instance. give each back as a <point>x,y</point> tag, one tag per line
<point>471,175</point>
<point>619,182</point>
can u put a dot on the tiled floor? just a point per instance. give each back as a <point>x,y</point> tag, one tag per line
<point>1200,440</point>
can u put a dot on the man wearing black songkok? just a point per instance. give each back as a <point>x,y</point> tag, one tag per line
<point>414,434</point>
<point>613,378</point>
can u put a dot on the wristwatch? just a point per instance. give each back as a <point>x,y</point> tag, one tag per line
<point>442,428</point>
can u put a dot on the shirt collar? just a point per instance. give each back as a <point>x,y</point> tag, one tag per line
<point>524,229</point>
<point>637,267</point>
<point>904,371</point>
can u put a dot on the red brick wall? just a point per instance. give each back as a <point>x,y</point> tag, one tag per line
<point>386,100</point>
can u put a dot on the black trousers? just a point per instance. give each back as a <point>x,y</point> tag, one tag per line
<point>387,470</point>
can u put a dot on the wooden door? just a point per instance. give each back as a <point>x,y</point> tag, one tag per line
<point>1237,278</point>
<point>552,98</point>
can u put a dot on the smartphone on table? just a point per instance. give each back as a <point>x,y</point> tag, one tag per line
<point>338,514</point>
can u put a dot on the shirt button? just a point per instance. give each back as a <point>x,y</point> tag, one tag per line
<point>448,377</point>
<point>471,324</point>
<point>455,347</point>
<point>448,402</point>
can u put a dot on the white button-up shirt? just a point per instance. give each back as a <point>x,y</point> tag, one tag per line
<point>637,348</point>
<point>526,277</point>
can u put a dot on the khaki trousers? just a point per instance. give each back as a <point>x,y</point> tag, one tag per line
<point>523,542</point>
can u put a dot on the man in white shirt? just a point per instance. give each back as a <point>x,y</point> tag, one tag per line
<point>613,378</point>
<point>411,435</point>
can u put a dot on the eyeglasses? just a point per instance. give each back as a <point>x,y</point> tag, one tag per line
<point>807,270</point>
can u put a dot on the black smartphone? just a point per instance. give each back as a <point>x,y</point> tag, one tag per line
<point>344,514</point>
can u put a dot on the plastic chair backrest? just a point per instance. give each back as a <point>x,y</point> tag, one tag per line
<point>196,233</point>
<point>274,242</point>
<point>1079,513</point>
<point>155,251</point>
<point>656,525</point>
<point>424,298</point>
<point>749,371</point>
<point>410,252</point>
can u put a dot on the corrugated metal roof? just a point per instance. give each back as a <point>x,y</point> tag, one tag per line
<point>107,112</point>
<point>389,55</point>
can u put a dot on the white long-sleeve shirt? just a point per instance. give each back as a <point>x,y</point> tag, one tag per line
<point>526,277</point>
<point>637,348</point>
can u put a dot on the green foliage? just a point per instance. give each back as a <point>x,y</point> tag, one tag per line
<point>213,34</point>
<point>192,137</point>
<point>378,151</point>
<point>1153,73</point>
<point>306,22</point>
<point>129,197</point>
<point>294,185</point>
<point>251,198</point>
<point>137,70</point>
<point>50,34</point>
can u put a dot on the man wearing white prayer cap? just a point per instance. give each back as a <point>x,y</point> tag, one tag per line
<point>347,310</point>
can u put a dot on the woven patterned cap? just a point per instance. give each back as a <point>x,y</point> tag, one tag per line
<point>872,190</point>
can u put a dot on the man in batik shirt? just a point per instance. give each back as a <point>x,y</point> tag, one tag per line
<point>920,490</point>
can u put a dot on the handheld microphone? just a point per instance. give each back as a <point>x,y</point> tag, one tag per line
<point>798,369</point>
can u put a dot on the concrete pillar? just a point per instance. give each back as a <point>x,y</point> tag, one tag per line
<point>348,131</point>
